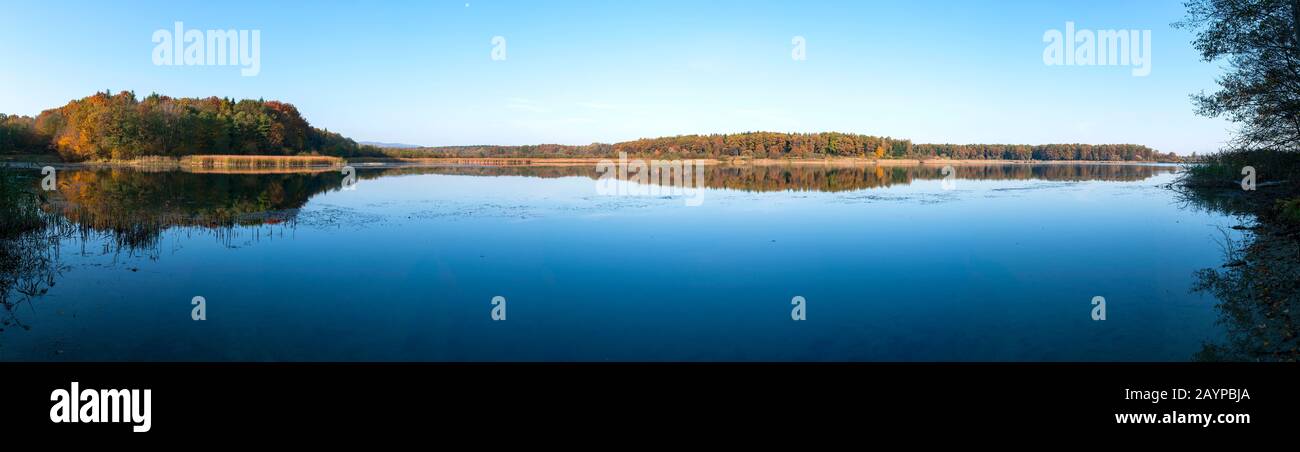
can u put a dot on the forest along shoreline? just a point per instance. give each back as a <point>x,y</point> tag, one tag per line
<point>116,127</point>
<point>320,163</point>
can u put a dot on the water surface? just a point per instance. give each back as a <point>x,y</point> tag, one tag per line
<point>893,265</point>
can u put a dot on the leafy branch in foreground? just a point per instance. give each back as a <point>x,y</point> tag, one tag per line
<point>1260,40</point>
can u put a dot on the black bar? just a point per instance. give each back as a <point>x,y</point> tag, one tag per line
<point>245,399</point>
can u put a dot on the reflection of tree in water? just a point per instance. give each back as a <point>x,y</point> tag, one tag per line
<point>830,177</point>
<point>133,207</point>
<point>29,247</point>
<point>1257,285</point>
<point>29,264</point>
<point>127,210</point>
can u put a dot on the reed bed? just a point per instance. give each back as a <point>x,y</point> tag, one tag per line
<point>150,160</point>
<point>260,170</point>
<point>19,204</point>
<point>260,161</point>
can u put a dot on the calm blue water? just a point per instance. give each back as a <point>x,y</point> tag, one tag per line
<point>405,266</point>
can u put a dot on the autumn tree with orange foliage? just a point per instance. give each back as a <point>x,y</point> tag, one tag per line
<point>118,126</point>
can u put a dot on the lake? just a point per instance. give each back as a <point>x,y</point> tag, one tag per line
<point>996,262</point>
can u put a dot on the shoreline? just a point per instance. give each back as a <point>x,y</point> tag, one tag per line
<point>37,161</point>
<point>566,161</point>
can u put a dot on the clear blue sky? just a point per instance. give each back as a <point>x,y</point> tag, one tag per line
<point>578,72</point>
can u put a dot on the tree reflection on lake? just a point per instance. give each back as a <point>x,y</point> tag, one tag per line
<point>122,250</point>
<point>1258,284</point>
